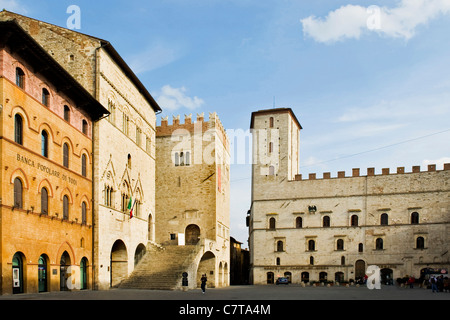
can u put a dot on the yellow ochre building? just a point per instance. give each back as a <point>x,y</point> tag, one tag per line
<point>46,134</point>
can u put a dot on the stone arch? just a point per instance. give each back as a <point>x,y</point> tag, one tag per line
<point>118,263</point>
<point>192,234</point>
<point>19,173</point>
<point>207,265</point>
<point>45,184</point>
<point>139,253</point>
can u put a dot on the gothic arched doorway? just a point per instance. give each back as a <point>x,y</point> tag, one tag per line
<point>65,272</point>
<point>119,263</point>
<point>192,234</point>
<point>207,266</point>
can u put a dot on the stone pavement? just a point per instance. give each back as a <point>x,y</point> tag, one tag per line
<point>245,293</point>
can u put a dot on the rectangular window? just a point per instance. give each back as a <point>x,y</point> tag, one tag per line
<point>148,145</point>
<point>125,124</point>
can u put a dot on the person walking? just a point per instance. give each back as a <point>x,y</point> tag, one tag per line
<point>203,286</point>
<point>411,281</point>
<point>433,284</point>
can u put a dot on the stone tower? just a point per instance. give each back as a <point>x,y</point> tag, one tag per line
<point>276,138</point>
<point>193,192</point>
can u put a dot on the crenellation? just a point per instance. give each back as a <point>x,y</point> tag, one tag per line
<point>356,172</point>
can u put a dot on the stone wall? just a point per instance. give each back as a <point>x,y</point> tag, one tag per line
<point>342,217</point>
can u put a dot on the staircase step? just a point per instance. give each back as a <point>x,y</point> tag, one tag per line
<point>160,268</point>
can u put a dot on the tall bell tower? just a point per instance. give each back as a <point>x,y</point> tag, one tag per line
<point>276,139</point>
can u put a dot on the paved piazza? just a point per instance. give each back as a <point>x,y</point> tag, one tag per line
<point>236,302</point>
<point>242,293</point>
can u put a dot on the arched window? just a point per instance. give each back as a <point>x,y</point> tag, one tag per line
<point>271,122</point>
<point>270,147</point>
<point>326,221</point>
<point>45,97</point>
<point>415,218</point>
<point>129,161</point>
<point>67,113</point>
<point>360,247</point>
<point>340,244</point>
<point>18,193</point>
<point>44,201</point>
<point>354,220</point>
<point>18,129</point>
<point>299,222</point>
<point>66,155</point>
<point>342,261</point>
<point>272,223</point>
<point>379,244</point>
<point>83,213</point>
<point>384,219</point>
<point>420,243</point>
<point>323,276</point>
<point>278,261</point>
<point>84,127</point>
<point>20,78</point>
<point>66,208</point>
<point>44,144</point>
<point>311,260</point>
<point>84,165</point>
<point>311,245</point>
<point>280,246</point>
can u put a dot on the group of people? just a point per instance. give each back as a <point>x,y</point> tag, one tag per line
<point>440,284</point>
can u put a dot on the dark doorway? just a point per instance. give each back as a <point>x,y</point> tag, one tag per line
<point>64,274</point>
<point>192,234</point>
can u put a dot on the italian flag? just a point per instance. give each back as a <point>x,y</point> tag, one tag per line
<point>131,206</point>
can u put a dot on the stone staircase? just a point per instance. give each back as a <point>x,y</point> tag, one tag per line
<point>161,268</point>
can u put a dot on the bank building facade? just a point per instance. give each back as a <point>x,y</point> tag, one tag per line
<point>328,230</point>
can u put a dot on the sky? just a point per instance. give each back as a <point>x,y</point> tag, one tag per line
<point>369,81</point>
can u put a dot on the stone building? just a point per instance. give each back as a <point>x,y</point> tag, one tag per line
<point>124,146</point>
<point>239,261</point>
<point>46,129</point>
<point>193,192</point>
<point>124,229</point>
<point>333,228</point>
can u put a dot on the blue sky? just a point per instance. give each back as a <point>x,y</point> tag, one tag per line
<point>368,80</point>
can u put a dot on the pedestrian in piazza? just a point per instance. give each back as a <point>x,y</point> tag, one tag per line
<point>203,286</point>
<point>433,282</point>
<point>411,281</point>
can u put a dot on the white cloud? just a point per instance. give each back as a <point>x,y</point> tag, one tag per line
<point>154,57</point>
<point>176,98</point>
<point>351,21</point>
<point>13,6</point>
